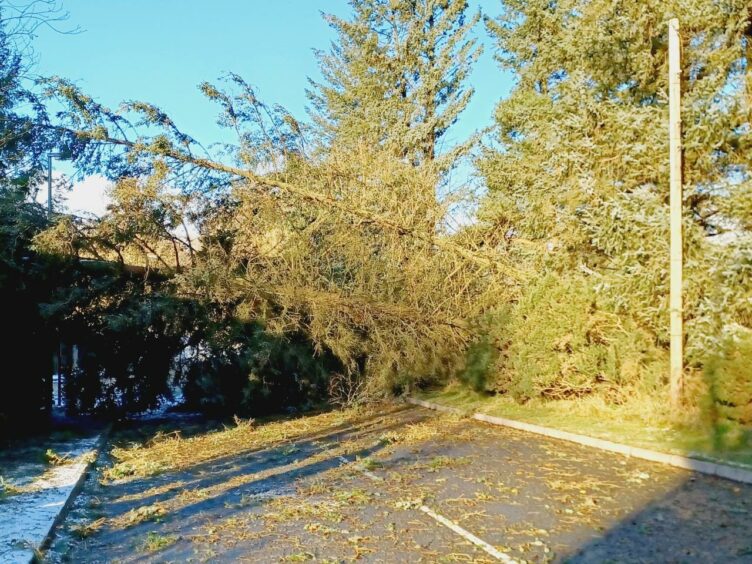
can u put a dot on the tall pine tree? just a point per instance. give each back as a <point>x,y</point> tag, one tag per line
<point>582,176</point>
<point>396,77</point>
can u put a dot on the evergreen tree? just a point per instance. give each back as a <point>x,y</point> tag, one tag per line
<point>396,77</point>
<point>23,278</point>
<point>580,185</point>
<point>23,138</point>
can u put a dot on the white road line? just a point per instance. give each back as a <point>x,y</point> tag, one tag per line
<point>467,535</point>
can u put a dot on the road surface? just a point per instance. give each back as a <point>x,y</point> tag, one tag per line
<point>410,485</point>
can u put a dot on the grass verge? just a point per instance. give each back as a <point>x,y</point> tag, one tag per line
<point>626,423</point>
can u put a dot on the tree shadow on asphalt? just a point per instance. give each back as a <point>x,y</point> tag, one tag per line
<point>671,516</point>
<point>278,467</point>
<point>703,519</point>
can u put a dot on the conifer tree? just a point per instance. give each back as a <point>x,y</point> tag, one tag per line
<point>582,176</point>
<point>24,278</point>
<point>396,76</point>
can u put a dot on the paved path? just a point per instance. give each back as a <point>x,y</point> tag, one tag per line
<point>425,488</point>
<point>27,516</point>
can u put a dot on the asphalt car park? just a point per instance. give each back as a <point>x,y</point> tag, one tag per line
<point>404,484</point>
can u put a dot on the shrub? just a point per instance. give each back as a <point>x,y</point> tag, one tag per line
<point>558,344</point>
<point>480,360</point>
<point>729,382</point>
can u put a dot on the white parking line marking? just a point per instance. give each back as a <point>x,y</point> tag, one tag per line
<point>467,535</point>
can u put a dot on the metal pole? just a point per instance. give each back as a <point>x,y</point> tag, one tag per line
<point>675,134</point>
<point>49,184</point>
<point>59,374</point>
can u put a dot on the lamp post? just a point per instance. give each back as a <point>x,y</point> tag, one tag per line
<point>675,127</point>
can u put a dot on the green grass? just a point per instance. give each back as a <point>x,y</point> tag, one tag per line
<point>85,530</point>
<point>439,462</point>
<point>299,557</point>
<point>370,464</point>
<point>155,542</point>
<point>353,497</point>
<point>7,489</point>
<point>630,423</point>
<point>52,458</point>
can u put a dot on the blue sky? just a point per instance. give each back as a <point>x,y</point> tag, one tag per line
<point>160,50</point>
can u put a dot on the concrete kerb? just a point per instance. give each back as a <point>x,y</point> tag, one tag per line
<point>727,471</point>
<point>72,495</point>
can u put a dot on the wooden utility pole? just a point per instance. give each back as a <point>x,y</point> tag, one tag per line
<point>675,133</point>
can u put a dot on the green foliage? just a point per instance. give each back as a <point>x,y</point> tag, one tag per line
<point>128,327</point>
<point>579,188</point>
<point>154,542</point>
<point>24,139</point>
<point>480,363</point>
<point>307,261</point>
<point>729,381</point>
<point>25,278</point>
<point>244,369</point>
<point>7,489</point>
<point>557,343</point>
<point>725,303</point>
<point>396,77</point>
<point>272,275</point>
<point>54,459</point>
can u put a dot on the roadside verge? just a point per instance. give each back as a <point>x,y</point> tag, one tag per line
<point>28,518</point>
<point>727,471</point>
<point>77,484</point>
